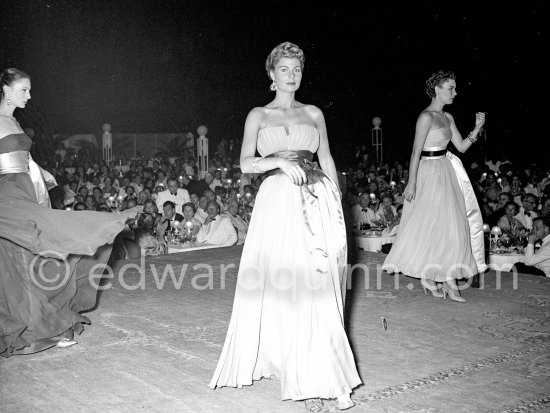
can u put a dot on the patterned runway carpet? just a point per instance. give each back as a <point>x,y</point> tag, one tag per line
<point>159,325</point>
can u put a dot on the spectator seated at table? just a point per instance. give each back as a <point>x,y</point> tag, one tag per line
<point>361,213</point>
<point>393,227</point>
<point>169,216</point>
<point>108,189</point>
<point>386,210</point>
<point>189,210</point>
<point>130,193</point>
<point>201,213</point>
<point>103,207</point>
<point>527,212</point>
<point>130,203</point>
<point>96,193</point>
<point>90,203</point>
<point>500,211</point>
<point>142,197</point>
<point>238,222</point>
<point>178,196</point>
<point>509,223</point>
<point>144,236</point>
<point>211,195</point>
<point>79,206</point>
<point>361,181</point>
<point>398,197</point>
<point>537,263</point>
<point>217,181</point>
<point>217,229</point>
<point>202,185</point>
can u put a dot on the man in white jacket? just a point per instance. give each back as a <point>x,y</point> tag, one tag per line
<point>217,229</point>
<point>178,196</point>
<point>537,263</point>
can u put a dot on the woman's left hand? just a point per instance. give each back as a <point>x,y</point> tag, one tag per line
<point>480,119</point>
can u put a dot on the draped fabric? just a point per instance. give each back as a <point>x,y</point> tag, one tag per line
<point>46,259</point>
<point>287,318</point>
<point>473,212</point>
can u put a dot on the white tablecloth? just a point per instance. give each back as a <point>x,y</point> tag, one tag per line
<point>504,262</point>
<point>372,243</point>
<point>173,248</point>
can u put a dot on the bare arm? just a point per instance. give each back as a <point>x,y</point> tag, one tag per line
<point>423,125</point>
<point>248,161</point>
<point>462,145</point>
<point>325,158</point>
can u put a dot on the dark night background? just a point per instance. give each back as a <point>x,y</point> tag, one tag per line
<point>169,66</point>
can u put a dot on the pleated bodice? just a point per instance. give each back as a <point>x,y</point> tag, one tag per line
<point>298,137</point>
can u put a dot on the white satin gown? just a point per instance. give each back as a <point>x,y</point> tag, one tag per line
<point>288,312</point>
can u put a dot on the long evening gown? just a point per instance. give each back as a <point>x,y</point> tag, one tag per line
<point>288,319</point>
<point>45,256</point>
<point>441,231</point>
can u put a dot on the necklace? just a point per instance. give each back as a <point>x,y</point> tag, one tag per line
<point>7,116</point>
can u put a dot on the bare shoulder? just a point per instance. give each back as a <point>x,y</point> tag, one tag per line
<point>449,117</point>
<point>313,112</point>
<point>256,115</point>
<point>426,116</point>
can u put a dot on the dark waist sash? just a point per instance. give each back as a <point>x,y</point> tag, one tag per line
<point>434,153</point>
<point>302,158</point>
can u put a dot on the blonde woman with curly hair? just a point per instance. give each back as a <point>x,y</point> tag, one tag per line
<point>288,313</point>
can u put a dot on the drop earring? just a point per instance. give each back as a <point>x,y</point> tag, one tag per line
<point>273,86</point>
<point>8,101</point>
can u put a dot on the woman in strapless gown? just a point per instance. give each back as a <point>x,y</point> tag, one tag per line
<point>440,236</point>
<point>288,311</point>
<point>46,255</point>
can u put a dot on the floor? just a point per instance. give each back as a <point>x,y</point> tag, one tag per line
<point>153,346</point>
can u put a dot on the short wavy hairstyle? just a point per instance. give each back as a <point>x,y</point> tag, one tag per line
<point>286,49</point>
<point>189,204</point>
<point>437,79</point>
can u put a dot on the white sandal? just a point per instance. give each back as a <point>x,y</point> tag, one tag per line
<point>66,342</point>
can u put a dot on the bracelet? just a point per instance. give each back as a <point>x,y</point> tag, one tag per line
<point>255,166</point>
<point>473,140</point>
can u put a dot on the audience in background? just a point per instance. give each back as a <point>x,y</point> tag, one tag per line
<point>92,184</point>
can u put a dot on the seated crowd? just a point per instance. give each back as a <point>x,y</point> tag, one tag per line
<point>168,193</point>
<point>216,208</point>
<point>514,198</point>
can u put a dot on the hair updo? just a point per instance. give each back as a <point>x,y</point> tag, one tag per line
<point>286,49</point>
<point>437,79</point>
<point>8,76</point>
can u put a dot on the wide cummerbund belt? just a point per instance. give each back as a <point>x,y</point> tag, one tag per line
<point>302,158</point>
<point>14,162</point>
<point>441,152</point>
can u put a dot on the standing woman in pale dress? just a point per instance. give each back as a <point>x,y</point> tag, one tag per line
<point>288,312</point>
<point>440,236</point>
<point>47,256</point>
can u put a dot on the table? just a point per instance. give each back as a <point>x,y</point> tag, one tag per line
<point>505,261</point>
<point>172,248</point>
<point>372,243</point>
